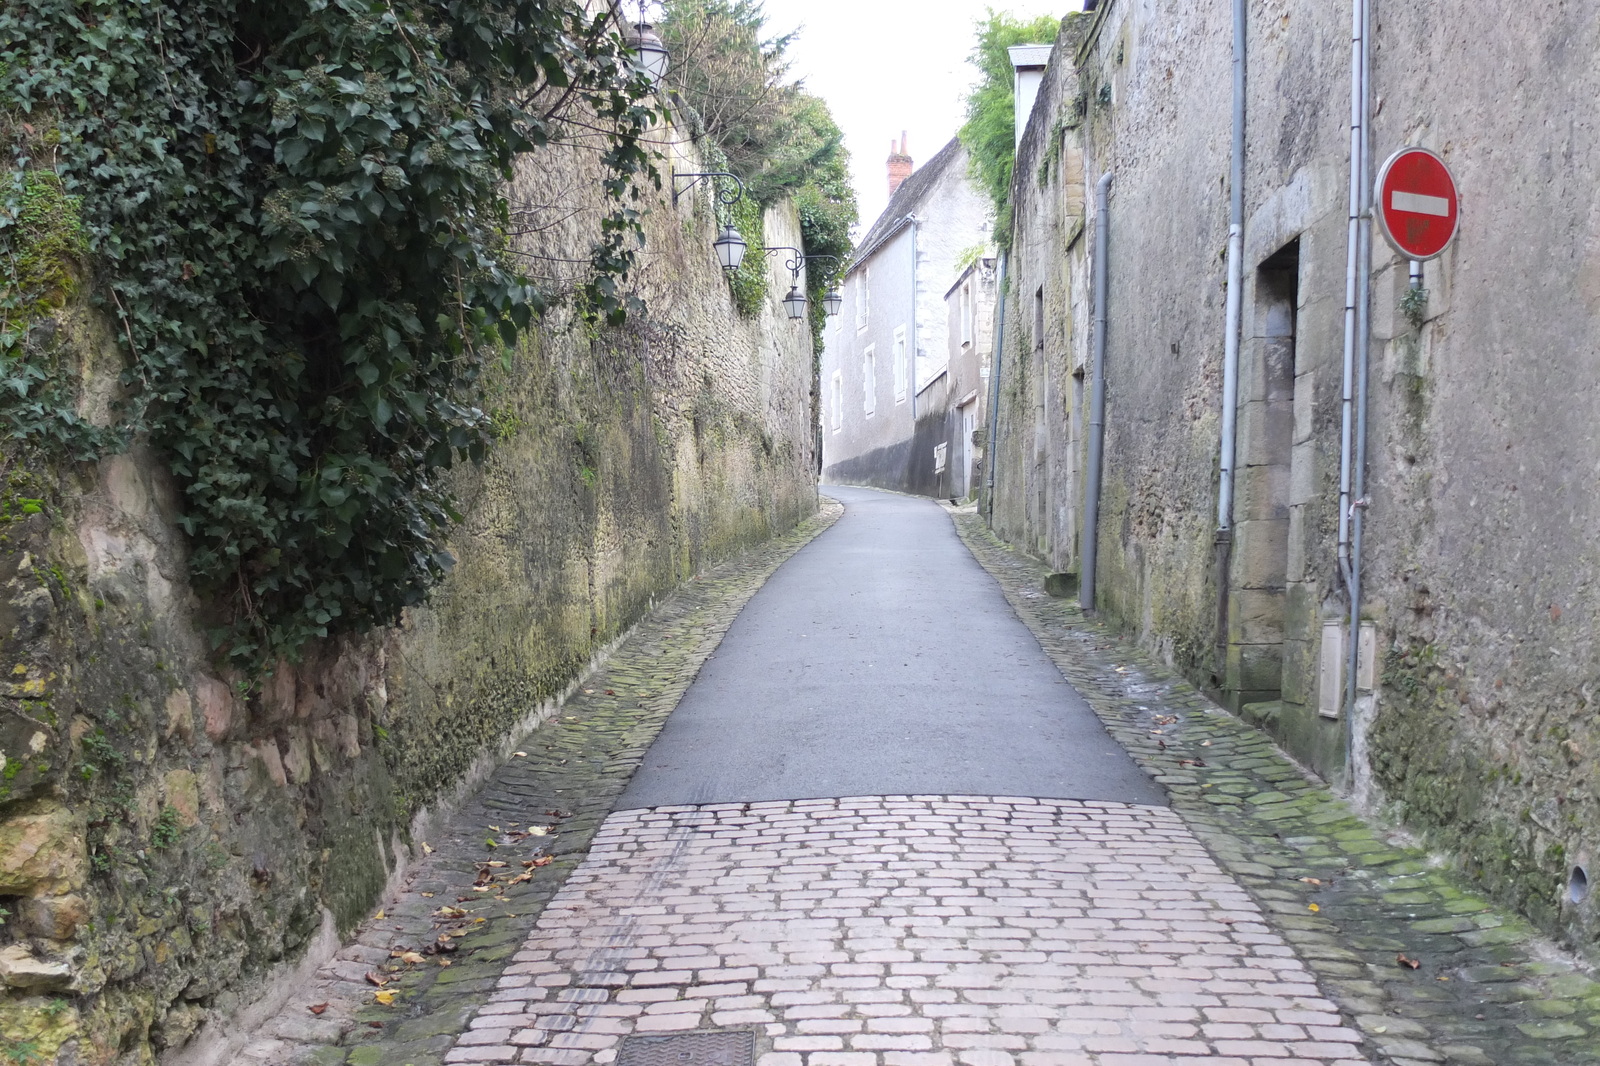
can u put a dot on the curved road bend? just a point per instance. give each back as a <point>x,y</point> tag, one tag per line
<point>881,830</point>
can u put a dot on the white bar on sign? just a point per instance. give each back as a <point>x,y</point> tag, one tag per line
<point>1419,204</point>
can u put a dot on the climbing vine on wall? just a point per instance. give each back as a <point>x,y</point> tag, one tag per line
<point>296,210</point>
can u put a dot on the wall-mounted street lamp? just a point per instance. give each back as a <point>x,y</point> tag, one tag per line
<point>795,302</point>
<point>649,54</point>
<point>729,246</point>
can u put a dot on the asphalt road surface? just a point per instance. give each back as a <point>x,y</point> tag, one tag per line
<point>882,660</point>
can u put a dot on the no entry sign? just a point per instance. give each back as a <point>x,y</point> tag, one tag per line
<point>1417,203</point>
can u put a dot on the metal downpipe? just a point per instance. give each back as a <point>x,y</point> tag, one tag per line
<point>1351,288</point>
<point>1097,401</point>
<point>1230,338</point>
<point>1358,472</point>
<point>992,459</point>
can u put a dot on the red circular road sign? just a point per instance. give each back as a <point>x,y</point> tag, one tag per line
<point>1417,203</point>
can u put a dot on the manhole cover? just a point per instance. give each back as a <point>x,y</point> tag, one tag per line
<point>689,1049</point>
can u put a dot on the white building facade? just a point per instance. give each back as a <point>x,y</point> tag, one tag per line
<point>886,384</point>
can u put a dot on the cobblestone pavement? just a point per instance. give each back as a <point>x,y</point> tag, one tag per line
<point>910,931</point>
<point>542,807</point>
<point>1359,905</point>
<point>1257,920</point>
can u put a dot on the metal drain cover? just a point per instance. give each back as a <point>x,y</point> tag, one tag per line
<point>721,1048</point>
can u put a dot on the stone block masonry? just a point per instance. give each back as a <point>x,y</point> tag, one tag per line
<point>1429,971</point>
<point>179,842</point>
<point>566,782</point>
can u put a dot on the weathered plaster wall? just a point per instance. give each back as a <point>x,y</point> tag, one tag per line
<point>1480,557</point>
<point>909,270</point>
<point>1484,516</point>
<point>173,840</point>
<point>858,446</point>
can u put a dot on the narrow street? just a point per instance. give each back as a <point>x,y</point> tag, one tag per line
<point>842,849</point>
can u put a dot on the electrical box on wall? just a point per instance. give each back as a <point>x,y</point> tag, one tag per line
<point>1330,676</point>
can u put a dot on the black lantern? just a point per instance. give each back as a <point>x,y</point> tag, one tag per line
<point>795,303</point>
<point>730,248</point>
<point>833,301</point>
<point>649,54</point>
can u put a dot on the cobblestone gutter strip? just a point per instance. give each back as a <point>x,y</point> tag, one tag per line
<point>1427,970</point>
<point>441,945</point>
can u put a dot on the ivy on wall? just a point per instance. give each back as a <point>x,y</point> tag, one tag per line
<point>296,212</point>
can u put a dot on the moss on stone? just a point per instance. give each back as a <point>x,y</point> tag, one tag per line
<point>48,245</point>
<point>33,1029</point>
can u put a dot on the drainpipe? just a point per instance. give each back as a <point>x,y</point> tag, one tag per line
<point>1097,397</point>
<point>1357,342</point>
<point>994,380</point>
<point>1230,339</point>
<point>911,371</point>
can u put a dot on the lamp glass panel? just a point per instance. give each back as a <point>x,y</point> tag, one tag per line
<point>730,248</point>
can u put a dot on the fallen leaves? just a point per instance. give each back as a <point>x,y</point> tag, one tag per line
<point>386,997</point>
<point>449,912</point>
<point>1406,961</point>
<point>1311,880</point>
<point>378,917</point>
<point>317,1008</point>
<point>519,755</point>
<point>374,979</point>
<point>427,849</point>
<point>1312,907</point>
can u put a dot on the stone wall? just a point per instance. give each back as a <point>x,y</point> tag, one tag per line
<point>174,840</point>
<point>1475,722</point>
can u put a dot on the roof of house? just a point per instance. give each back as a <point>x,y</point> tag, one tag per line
<point>905,199</point>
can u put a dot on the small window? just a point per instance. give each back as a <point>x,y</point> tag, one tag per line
<point>966,313</point>
<point>1038,317</point>
<point>902,372</point>
<point>838,400</point>
<point>869,384</point>
<point>863,296</point>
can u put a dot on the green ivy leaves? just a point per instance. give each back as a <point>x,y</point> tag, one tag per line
<point>297,207</point>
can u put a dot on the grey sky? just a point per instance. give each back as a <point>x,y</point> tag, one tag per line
<point>887,66</point>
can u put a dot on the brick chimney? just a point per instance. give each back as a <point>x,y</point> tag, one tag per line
<point>899,163</point>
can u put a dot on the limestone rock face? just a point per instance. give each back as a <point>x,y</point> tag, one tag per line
<point>19,969</point>
<point>55,917</point>
<point>42,853</point>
